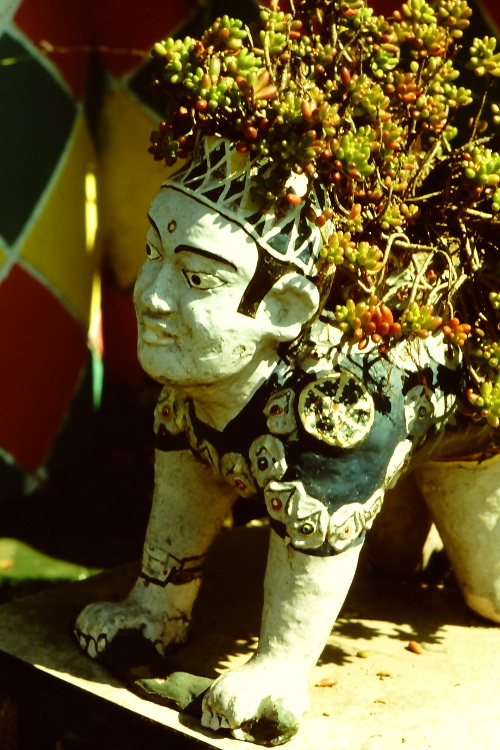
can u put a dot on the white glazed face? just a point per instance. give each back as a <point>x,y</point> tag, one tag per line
<point>187,296</point>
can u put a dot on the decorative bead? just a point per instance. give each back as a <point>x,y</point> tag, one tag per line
<point>166,411</point>
<point>346,531</point>
<point>239,484</point>
<point>276,503</point>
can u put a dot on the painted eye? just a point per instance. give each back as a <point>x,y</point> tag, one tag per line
<point>307,529</point>
<point>203,281</point>
<point>152,252</point>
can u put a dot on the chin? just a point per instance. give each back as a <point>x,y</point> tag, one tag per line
<point>150,361</point>
<point>160,370</point>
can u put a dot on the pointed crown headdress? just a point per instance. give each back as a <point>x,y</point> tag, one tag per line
<point>224,180</point>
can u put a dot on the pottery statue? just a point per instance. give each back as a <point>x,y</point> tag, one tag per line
<point>257,402</point>
<point>270,393</point>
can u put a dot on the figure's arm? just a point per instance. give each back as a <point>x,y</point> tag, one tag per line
<point>189,507</point>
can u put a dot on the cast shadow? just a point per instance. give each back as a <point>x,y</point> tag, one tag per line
<point>226,618</point>
<point>403,610</point>
<point>227,615</point>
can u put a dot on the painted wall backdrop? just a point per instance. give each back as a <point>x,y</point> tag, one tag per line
<point>74,127</point>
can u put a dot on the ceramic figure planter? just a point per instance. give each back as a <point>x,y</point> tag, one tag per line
<point>317,432</point>
<point>269,392</point>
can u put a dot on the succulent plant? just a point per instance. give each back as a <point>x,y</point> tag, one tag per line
<point>370,107</point>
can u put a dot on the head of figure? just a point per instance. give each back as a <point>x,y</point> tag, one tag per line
<point>223,286</point>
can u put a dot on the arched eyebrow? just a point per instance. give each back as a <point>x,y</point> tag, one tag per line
<point>204,254</point>
<point>154,225</point>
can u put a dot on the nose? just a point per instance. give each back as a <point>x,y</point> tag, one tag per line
<point>159,304</point>
<point>158,294</point>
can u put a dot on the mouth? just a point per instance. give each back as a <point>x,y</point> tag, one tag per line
<point>155,331</point>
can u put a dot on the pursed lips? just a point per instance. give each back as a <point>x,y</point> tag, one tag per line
<point>156,330</point>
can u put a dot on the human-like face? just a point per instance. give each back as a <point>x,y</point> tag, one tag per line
<point>187,294</point>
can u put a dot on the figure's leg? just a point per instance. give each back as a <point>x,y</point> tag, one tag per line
<point>189,507</point>
<point>263,700</point>
<point>464,500</point>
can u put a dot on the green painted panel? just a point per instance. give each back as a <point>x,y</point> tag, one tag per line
<point>36,117</point>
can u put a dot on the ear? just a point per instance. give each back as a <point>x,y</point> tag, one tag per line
<point>289,305</point>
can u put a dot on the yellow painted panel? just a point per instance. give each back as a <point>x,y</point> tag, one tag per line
<point>128,180</point>
<point>56,245</point>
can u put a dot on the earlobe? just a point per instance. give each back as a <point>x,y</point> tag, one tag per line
<point>289,305</point>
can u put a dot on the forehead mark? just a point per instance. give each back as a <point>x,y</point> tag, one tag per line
<point>213,207</point>
<point>172,226</point>
<point>204,254</point>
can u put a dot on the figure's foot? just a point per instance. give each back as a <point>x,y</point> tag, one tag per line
<point>259,702</point>
<point>99,623</point>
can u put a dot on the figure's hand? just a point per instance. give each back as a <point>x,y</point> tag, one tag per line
<point>260,702</point>
<point>99,623</point>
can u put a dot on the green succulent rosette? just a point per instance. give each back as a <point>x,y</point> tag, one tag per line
<point>373,110</point>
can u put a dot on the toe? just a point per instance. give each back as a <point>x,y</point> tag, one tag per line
<point>210,720</point>
<point>91,648</point>
<point>102,643</point>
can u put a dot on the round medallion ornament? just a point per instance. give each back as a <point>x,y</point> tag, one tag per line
<point>337,409</point>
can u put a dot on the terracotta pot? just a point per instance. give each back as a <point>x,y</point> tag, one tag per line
<point>464,500</point>
<point>403,538</point>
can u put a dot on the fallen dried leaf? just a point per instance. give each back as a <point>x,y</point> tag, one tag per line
<point>327,682</point>
<point>415,647</point>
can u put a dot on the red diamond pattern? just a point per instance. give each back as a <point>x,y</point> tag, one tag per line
<point>42,353</point>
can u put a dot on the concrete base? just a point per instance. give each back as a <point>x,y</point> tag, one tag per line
<point>384,695</point>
